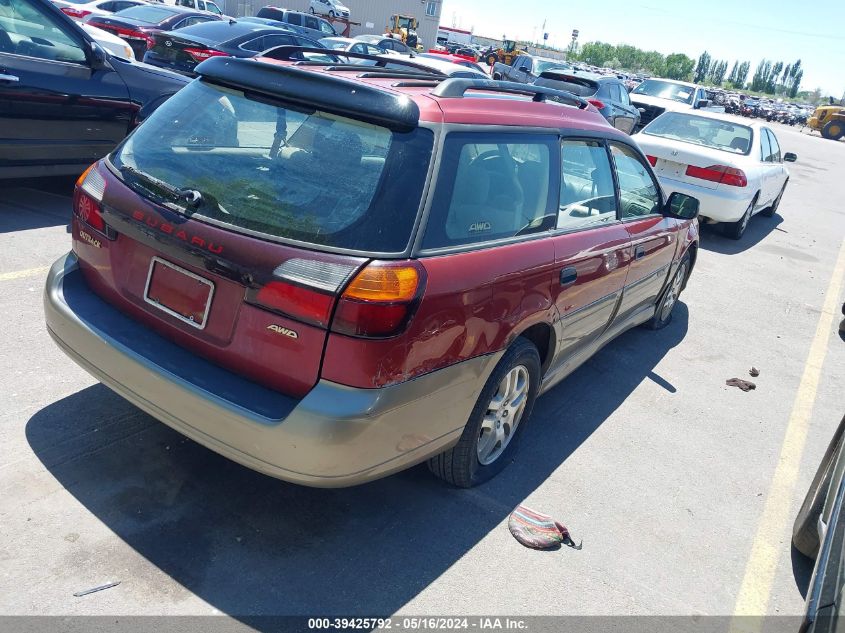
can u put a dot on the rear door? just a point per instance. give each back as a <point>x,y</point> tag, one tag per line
<point>591,247</point>
<point>653,236</point>
<point>57,113</point>
<point>775,165</point>
<point>625,115</point>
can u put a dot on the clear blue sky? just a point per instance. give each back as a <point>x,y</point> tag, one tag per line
<point>727,29</point>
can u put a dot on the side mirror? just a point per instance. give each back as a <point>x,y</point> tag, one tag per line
<point>789,157</point>
<point>99,57</point>
<point>681,206</point>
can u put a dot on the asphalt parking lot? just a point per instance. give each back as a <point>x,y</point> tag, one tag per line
<point>682,489</point>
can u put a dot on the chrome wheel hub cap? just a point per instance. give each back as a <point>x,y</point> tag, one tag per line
<point>503,415</point>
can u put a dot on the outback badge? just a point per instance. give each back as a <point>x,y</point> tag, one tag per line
<point>278,329</point>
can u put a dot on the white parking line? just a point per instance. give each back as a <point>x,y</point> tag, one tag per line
<point>21,274</point>
<point>773,529</point>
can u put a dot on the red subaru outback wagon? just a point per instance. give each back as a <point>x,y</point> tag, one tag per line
<point>329,273</point>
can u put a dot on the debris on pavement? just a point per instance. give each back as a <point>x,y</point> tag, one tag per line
<point>79,594</point>
<point>753,372</point>
<point>745,385</point>
<point>539,531</point>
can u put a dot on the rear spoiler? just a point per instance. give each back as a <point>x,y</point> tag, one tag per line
<point>322,91</point>
<point>564,75</point>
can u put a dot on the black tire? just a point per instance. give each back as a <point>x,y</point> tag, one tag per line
<point>460,465</point>
<point>735,230</point>
<point>772,209</point>
<point>663,317</point>
<point>805,533</point>
<point>833,130</point>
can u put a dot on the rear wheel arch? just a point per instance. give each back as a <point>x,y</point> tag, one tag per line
<point>542,336</point>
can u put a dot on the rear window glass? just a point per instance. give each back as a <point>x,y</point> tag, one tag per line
<point>286,172</point>
<point>580,87</point>
<point>150,15</point>
<point>698,130</point>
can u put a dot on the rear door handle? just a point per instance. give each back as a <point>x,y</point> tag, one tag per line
<point>568,276</point>
<point>639,252</point>
<point>9,78</point>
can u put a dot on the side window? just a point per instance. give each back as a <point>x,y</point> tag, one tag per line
<point>107,6</point>
<point>775,154</point>
<point>374,50</point>
<point>587,193</point>
<point>32,32</point>
<point>492,187</point>
<point>638,192</point>
<point>765,146</point>
<point>201,5</point>
<point>358,48</point>
<point>624,99</point>
<point>194,19</point>
<point>210,6</point>
<point>255,44</point>
<point>604,92</point>
<point>293,18</point>
<point>271,41</point>
<point>120,6</point>
<point>311,23</point>
<point>327,28</point>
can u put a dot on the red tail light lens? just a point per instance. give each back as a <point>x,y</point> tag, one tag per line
<point>75,13</point>
<point>201,54</point>
<point>299,302</point>
<point>87,196</point>
<point>652,160</point>
<point>595,102</point>
<point>719,173</point>
<point>380,300</point>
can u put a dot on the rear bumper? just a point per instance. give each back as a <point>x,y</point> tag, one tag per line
<point>333,437</point>
<point>718,205</point>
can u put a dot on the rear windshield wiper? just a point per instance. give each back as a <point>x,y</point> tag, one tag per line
<point>191,198</point>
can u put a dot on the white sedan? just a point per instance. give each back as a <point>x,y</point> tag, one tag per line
<point>80,11</point>
<point>735,169</point>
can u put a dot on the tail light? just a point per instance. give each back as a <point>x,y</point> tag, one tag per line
<point>87,197</point>
<point>75,13</point>
<point>722,174</point>
<point>595,102</point>
<point>303,289</point>
<point>652,160</point>
<point>201,54</point>
<point>380,300</point>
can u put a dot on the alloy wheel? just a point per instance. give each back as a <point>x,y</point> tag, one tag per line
<point>503,415</point>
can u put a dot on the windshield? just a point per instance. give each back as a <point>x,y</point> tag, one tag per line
<point>286,172</point>
<point>715,133</point>
<point>150,15</point>
<point>665,90</point>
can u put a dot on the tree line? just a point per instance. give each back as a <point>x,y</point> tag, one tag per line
<point>769,78</point>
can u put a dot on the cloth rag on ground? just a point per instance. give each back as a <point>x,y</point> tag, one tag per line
<point>538,531</point>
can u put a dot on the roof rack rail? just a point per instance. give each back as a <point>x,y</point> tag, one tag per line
<point>456,87</point>
<point>289,53</point>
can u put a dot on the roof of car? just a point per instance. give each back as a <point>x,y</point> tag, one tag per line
<point>223,30</point>
<point>487,108</point>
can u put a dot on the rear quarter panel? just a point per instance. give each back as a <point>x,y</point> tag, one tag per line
<point>475,303</point>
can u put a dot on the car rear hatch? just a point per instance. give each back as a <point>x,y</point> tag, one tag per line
<point>231,221</point>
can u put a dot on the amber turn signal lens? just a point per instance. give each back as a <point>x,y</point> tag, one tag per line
<point>84,175</point>
<point>384,284</point>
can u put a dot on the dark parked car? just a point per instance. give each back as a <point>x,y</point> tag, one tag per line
<point>608,94</point>
<point>819,534</point>
<point>137,25</point>
<point>312,26</point>
<point>64,101</point>
<point>376,272</point>
<point>182,50</point>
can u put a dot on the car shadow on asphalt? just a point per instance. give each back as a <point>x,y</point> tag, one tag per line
<point>34,206</point>
<point>802,571</point>
<point>250,545</point>
<point>713,239</point>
